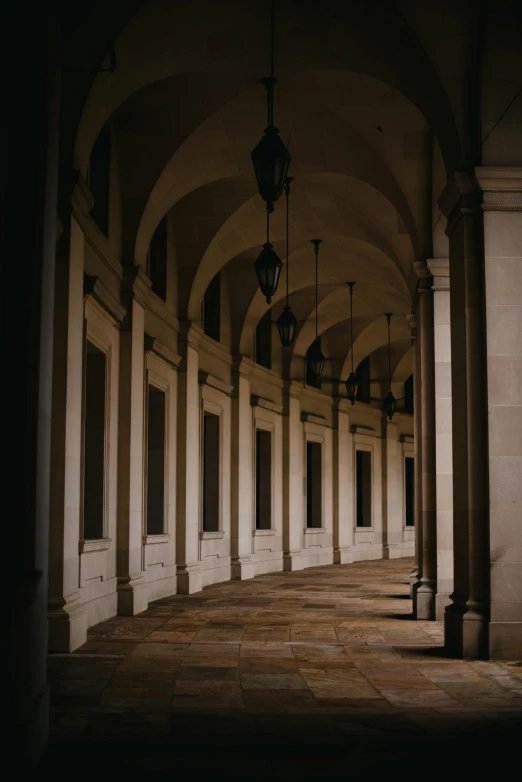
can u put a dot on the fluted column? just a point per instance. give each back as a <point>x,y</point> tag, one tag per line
<point>293,479</point>
<point>444,479</point>
<point>343,502</point>
<point>132,587</point>
<point>416,573</point>
<point>425,602</point>
<point>242,472</point>
<point>466,618</point>
<point>188,488</point>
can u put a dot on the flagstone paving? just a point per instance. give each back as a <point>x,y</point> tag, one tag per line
<point>323,657</point>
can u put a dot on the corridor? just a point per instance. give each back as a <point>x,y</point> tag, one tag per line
<point>326,660</point>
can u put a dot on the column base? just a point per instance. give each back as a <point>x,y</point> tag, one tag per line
<point>242,569</point>
<point>133,595</point>
<point>442,600</point>
<point>414,581</point>
<point>391,551</point>
<point>465,633</point>
<point>425,603</point>
<point>293,560</point>
<point>505,640</point>
<point>342,556</point>
<point>189,579</point>
<point>67,624</point>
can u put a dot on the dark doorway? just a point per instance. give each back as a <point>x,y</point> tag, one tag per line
<point>364,488</point>
<point>314,485</point>
<point>409,464</point>
<point>263,479</point>
<point>156,462</point>
<point>211,472</point>
<point>94,443</point>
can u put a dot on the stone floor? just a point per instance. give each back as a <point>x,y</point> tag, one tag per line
<point>321,664</point>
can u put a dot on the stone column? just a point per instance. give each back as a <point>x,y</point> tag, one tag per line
<point>188,463</point>
<point>416,573</point>
<point>425,602</point>
<point>132,587</point>
<point>293,479</point>
<point>502,214</point>
<point>242,473</point>
<point>392,490</point>
<point>466,618</point>
<point>444,462</point>
<point>343,499</point>
<point>67,619</point>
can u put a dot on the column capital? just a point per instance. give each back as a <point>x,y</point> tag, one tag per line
<point>439,268</point>
<point>293,389</point>
<point>412,325</point>
<point>501,187</point>
<point>424,275</point>
<point>136,283</point>
<point>190,333</point>
<point>242,366</point>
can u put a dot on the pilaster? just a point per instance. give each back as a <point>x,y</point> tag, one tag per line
<point>293,478</point>
<point>188,462</point>
<point>242,471</point>
<point>132,586</point>
<point>502,218</point>
<point>343,489</point>
<point>439,268</point>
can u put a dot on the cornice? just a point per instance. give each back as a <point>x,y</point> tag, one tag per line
<point>406,438</point>
<point>266,404</point>
<point>92,287</point>
<point>314,418</point>
<point>424,276</point>
<point>153,345</point>
<point>190,333</point>
<point>293,389</point>
<point>242,366</point>
<point>461,186</point>
<point>499,179</point>
<point>362,429</point>
<point>206,379</point>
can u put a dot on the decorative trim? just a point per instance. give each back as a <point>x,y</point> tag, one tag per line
<point>263,532</point>
<point>502,201</point>
<point>267,404</point>
<point>93,287</point>
<point>149,540</point>
<point>206,379</point>
<point>500,179</point>
<point>315,530</point>
<point>217,535</point>
<point>153,345</point>
<point>84,546</point>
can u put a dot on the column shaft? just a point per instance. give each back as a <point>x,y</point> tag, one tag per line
<point>293,480</point>
<point>188,465</point>
<point>132,587</point>
<point>242,474</point>
<point>425,604</point>
<point>343,504</point>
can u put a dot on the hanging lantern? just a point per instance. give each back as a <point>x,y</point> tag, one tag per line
<point>268,270</point>
<point>352,387</point>
<point>287,326</point>
<point>352,384</point>
<point>315,362</point>
<point>390,403</point>
<point>271,160</point>
<point>270,157</point>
